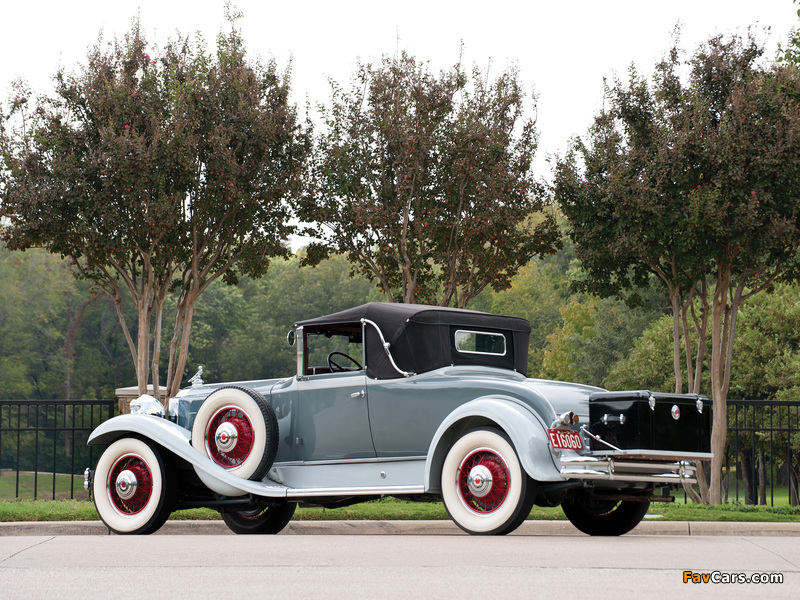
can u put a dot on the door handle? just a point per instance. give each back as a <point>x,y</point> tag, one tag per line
<point>359,394</point>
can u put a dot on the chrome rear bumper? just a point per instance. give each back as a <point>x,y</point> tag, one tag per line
<point>610,468</point>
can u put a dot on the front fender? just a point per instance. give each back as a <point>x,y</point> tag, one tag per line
<point>520,424</point>
<point>177,440</point>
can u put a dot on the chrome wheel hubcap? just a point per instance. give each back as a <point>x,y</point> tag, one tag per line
<point>479,481</point>
<point>226,437</point>
<point>126,484</point>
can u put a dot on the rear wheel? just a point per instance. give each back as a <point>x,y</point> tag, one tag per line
<point>484,488</point>
<point>237,429</point>
<point>269,520</point>
<point>605,517</point>
<point>133,489</point>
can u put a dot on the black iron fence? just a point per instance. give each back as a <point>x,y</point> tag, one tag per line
<point>762,458</point>
<point>43,450</point>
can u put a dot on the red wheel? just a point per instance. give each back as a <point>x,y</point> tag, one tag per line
<point>133,489</point>
<point>483,481</point>
<point>237,429</point>
<point>484,487</point>
<point>130,484</point>
<point>229,437</point>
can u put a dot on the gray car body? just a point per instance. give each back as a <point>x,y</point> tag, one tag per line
<point>391,440</point>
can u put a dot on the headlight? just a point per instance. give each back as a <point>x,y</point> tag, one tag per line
<point>147,405</point>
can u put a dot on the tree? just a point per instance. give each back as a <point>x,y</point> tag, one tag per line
<point>256,346</point>
<point>154,174</point>
<point>425,184</point>
<point>595,335</point>
<point>646,366</point>
<point>579,319</point>
<point>538,292</point>
<point>693,179</point>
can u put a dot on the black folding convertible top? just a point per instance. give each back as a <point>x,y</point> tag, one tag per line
<point>421,337</point>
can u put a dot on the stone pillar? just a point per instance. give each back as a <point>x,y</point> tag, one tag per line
<point>127,394</point>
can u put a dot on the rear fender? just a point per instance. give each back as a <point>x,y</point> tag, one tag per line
<point>527,433</point>
<point>177,440</point>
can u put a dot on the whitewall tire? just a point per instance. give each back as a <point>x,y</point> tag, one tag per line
<point>484,488</point>
<point>133,487</point>
<point>238,430</point>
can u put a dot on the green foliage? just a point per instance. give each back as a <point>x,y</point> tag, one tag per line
<point>36,291</point>
<point>243,329</point>
<point>596,334</point>
<point>579,323</point>
<point>424,182</point>
<point>649,363</point>
<point>768,345</point>
<point>537,293</point>
<point>791,52</point>
<point>676,177</point>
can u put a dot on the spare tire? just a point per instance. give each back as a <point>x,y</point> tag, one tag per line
<point>237,429</point>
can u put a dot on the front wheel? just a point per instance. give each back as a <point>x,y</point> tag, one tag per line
<point>484,488</point>
<point>133,488</point>
<point>605,517</point>
<point>269,520</point>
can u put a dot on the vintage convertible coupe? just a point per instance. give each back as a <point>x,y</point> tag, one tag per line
<point>416,402</point>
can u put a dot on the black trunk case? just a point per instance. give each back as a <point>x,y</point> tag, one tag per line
<point>649,428</point>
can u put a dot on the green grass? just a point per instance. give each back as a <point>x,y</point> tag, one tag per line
<point>43,482</point>
<point>391,509</point>
<point>732,512</point>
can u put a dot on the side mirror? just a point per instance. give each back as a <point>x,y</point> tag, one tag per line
<point>290,338</point>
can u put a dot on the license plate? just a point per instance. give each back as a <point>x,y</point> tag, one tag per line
<point>566,439</point>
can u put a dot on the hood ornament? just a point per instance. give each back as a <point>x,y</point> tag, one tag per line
<point>197,378</point>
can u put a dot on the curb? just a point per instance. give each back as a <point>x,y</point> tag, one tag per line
<point>530,528</point>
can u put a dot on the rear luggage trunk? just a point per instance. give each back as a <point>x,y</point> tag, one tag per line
<point>642,421</point>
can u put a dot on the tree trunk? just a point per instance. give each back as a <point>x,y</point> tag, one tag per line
<point>676,341</point>
<point>727,478</point>
<point>68,351</point>
<point>719,424</point>
<point>174,385</point>
<point>157,332</point>
<point>748,481</point>
<point>762,478</point>
<point>723,330</point>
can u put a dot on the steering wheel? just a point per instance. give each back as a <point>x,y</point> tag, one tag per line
<point>333,366</point>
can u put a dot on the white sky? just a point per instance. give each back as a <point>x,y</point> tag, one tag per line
<point>563,49</point>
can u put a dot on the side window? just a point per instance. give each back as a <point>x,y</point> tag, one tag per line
<point>480,342</point>
<point>333,350</point>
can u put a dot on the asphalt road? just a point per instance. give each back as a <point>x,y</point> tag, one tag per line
<point>392,563</point>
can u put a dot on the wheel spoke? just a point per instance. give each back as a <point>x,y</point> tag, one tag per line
<point>229,437</point>
<point>125,467</point>
<point>483,481</point>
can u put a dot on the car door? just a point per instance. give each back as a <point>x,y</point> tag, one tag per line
<point>333,418</point>
<point>405,413</point>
